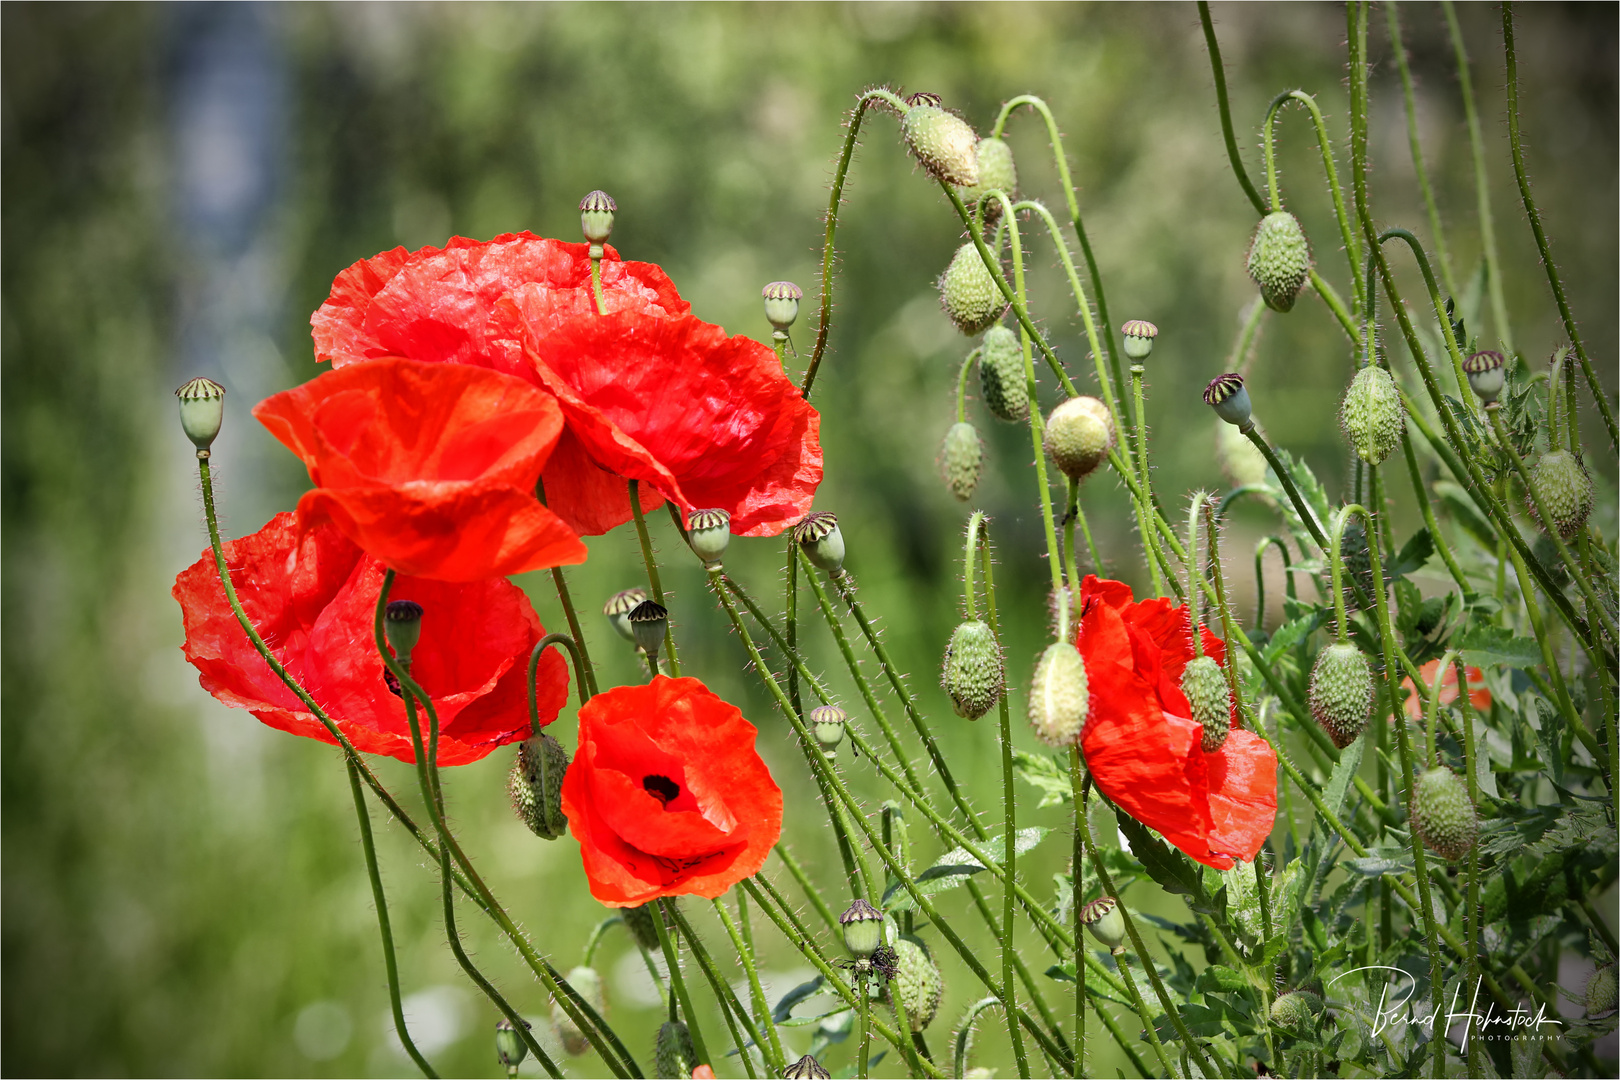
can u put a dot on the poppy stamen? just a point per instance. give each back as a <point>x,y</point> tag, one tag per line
<point>661,788</point>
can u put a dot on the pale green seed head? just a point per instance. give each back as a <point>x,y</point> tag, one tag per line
<point>1059,695</point>
<point>961,458</point>
<point>1001,375</point>
<point>1210,698</point>
<point>943,143</point>
<point>1279,259</point>
<point>1079,434</point>
<point>918,983</point>
<point>1566,490</point>
<point>969,292</point>
<point>1372,416</point>
<point>537,803</point>
<point>1442,816</point>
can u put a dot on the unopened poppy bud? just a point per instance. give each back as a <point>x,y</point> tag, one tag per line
<point>806,1068</point>
<point>863,929</point>
<point>1600,992</point>
<point>1341,693</point>
<point>1079,434</point>
<point>1139,335</point>
<point>969,292</point>
<point>589,984</point>
<point>942,142</point>
<point>619,607</point>
<point>1240,460</point>
<point>674,1056</point>
<point>1227,395</point>
<point>510,1049</point>
<point>402,625</point>
<point>1486,374</point>
<point>1371,415</point>
<point>1566,491</point>
<point>648,621</point>
<point>1106,924</point>
<point>818,534</point>
<point>997,172</point>
<point>961,457</point>
<point>1204,684</point>
<point>782,303</point>
<point>918,984</point>
<point>1059,697</point>
<point>973,675</point>
<point>827,724</point>
<point>709,533</point>
<point>639,921</point>
<point>535,785</point>
<point>1001,375</point>
<point>1295,1009</point>
<point>596,219</point>
<point>1279,259</point>
<point>1442,816</point>
<point>202,410</point>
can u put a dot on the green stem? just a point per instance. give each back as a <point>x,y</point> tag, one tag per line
<point>1351,249</point>
<point>790,616</point>
<point>1260,578</point>
<point>731,1008</point>
<point>672,961</point>
<point>1330,297</point>
<point>961,387</point>
<point>1427,506</point>
<point>652,578</point>
<point>809,887</point>
<point>1145,507</point>
<point>567,601</point>
<point>1078,788</point>
<point>864,993</point>
<point>1226,109</point>
<point>1301,507</point>
<point>1475,913</point>
<point>762,1005</point>
<point>1392,18</point>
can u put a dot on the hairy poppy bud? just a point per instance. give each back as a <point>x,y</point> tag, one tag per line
<point>596,219</point>
<point>1279,259</point>
<point>1211,699</point>
<point>639,921</point>
<point>863,929</point>
<point>1356,555</point>
<point>648,621</point>
<point>589,984</point>
<point>961,457</point>
<point>1371,415</point>
<point>823,542</point>
<point>782,303</point>
<point>1442,816</point>
<point>535,785</point>
<point>619,607</point>
<point>973,672</point>
<point>1227,395</point>
<point>1079,434</point>
<point>806,1068</point>
<point>827,724</point>
<point>1341,693</point>
<point>510,1049</point>
<point>708,532</point>
<point>997,172</point>
<point>917,984</point>
<point>1565,488</point>
<point>1486,374</point>
<point>202,410</point>
<point>1001,375</point>
<point>1059,697</point>
<point>942,142</point>
<point>969,293</point>
<point>1240,460</point>
<point>402,626</point>
<point>674,1056</point>
<point>1106,924</point>
<point>1600,992</point>
<point>1139,335</point>
<point>1295,1009</point>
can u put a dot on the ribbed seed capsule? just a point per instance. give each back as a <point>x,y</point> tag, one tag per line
<point>1079,434</point>
<point>1211,699</point>
<point>708,533</point>
<point>535,785</point>
<point>806,1068</point>
<point>1295,1009</point>
<point>1106,924</point>
<point>1138,335</point>
<point>1059,697</point>
<point>619,607</point>
<point>596,218</point>
<point>822,540</point>
<point>1442,816</point>
<point>674,1057</point>
<point>827,724</point>
<point>863,929</point>
<point>202,411</point>
<point>973,674</point>
<point>1371,414</point>
<point>969,293</point>
<point>942,142</point>
<point>1341,693</point>
<point>918,983</point>
<point>961,459</point>
<point>1001,375</point>
<point>589,985</point>
<point>1279,259</point>
<point>1486,374</point>
<point>1566,491</point>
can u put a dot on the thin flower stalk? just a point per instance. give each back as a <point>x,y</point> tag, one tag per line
<point>745,956</point>
<point>662,911</point>
<point>1393,20</point>
<point>730,1006</point>
<point>1352,249</point>
<point>653,579</point>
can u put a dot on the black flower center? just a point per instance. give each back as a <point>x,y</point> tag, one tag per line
<point>661,788</point>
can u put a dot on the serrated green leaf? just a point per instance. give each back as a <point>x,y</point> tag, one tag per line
<point>956,866</point>
<point>1482,646</point>
<point>1045,775</point>
<point>1344,773</point>
<point>1218,977</point>
<point>1170,868</point>
<point>1550,736</point>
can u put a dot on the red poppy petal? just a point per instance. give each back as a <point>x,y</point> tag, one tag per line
<point>1243,795</point>
<point>590,499</point>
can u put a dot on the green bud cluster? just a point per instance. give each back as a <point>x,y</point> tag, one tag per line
<point>1079,434</point>
<point>1059,696</point>
<point>1565,487</point>
<point>1372,416</point>
<point>1442,816</point>
<point>918,984</point>
<point>961,458</point>
<point>973,674</point>
<point>674,1056</point>
<point>1279,259</point>
<point>589,984</point>
<point>537,803</point>
<point>1210,698</point>
<point>1001,375</point>
<point>969,292</point>
<point>1341,693</point>
<point>942,142</point>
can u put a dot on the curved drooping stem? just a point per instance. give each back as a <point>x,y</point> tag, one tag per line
<point>1392,17</point>
<point>1352,249</point>
<point>1219,71</point>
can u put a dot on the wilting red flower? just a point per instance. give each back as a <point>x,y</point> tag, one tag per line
<point>1142,747</point>
<point>667,795</point>
<point>649,392</point>
<point>429,467</point>
<point>1478,696</point>
<point>312,595</point>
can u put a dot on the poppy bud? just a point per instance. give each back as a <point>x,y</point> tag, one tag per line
<point>619,607</point>
<point>1356,555</point>
<point>960,459</point>
<point>969,293</point>
<point>997,172</point>
<point>648,621</point>
<point>1079,434</point>
<point>1139,335</point>
<point>1295,1009</point>
<point>917,984</point>
<point>1341,693</point>
<point>806,1068</point>
<point>1600,992</point>
<point>942,142</point>
<point>639,921</point>
<point>823,542</point>
<point>596,219</point>
<point>1565,488</point>
<point>1106,924</point>
<point>589,985</point>
<point>402,625</point>
<point>510,1049</point>
<point>1371,415</point>
<point>709,532</point>
<point>782,303</point>
<point>1227,395</point>
<point>1486,374</point>
<point>1442,816</point>
<point>863,929</point>
<point>202,410</point>
<point>674,1056</point>
<point>1240,460</point>
<point>1211,699</point>
<point>973,674</point>
<point>827,723</point>
<point>1279,259</point>
<point>1001,375</point>
<point>535,785</point>
<point>1059,697</point>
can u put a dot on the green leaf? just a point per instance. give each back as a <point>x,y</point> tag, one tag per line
<point>1344,773</point>
<point>1290,634</point>
<point>1221,978</point>
<point>784,1008</point>
<point>1310,489</point>
<point>1482,646</point>
<point>1550,735</point>
<point>1381,861</point>
<point>1413,555</point>
<point>955,866</point>
<point>1170,868</point>
<point>1462,507</point>
<point>1046,775</point>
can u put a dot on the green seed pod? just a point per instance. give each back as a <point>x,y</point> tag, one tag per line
<point>1139,335</point>
<point>596,218</point>
<point>917,983</point>
<point>1227,395</point>
<point>782,303</point>
<point>1442,816</point>
<point>961,458</point>
<point>1341,693</point>
<point>538,804</point>
<point>1059,697</point>
<point>1372,416</point>
<point>202,411</point>
<point>619,607</point>
<point>1295,1009</point>
<point>1079,434</point>
<point>708,532</point>
<point>973,675</point>
<point>1279,259</point>
<point>1106,924</point>
<point>823,542</point>
<point>997,172</point>
<point>827,724</point>
<point>942,142</point>
<point>1600,992</point>
<point>510,1049</point>
<point>969,292</point>
<point>863,929</point>
<point>402,626</point>
<point>589,985</point>
<point>674,1058</point>
<point>648,621</point>
<point>1565,488</point>
<point>1211,699</point>
<point>1001,375</point>
<point>806,1068</point>
<point>1486,374</point>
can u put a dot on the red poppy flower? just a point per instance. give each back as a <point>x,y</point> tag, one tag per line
<point>429,467</point>
<point>648,391</point>
<point>667,795</point>
<point>1142,747</point>
<point>312,595</point>
<point>1478,696</point>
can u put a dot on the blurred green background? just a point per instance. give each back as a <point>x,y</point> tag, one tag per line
<point>183,890</point>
